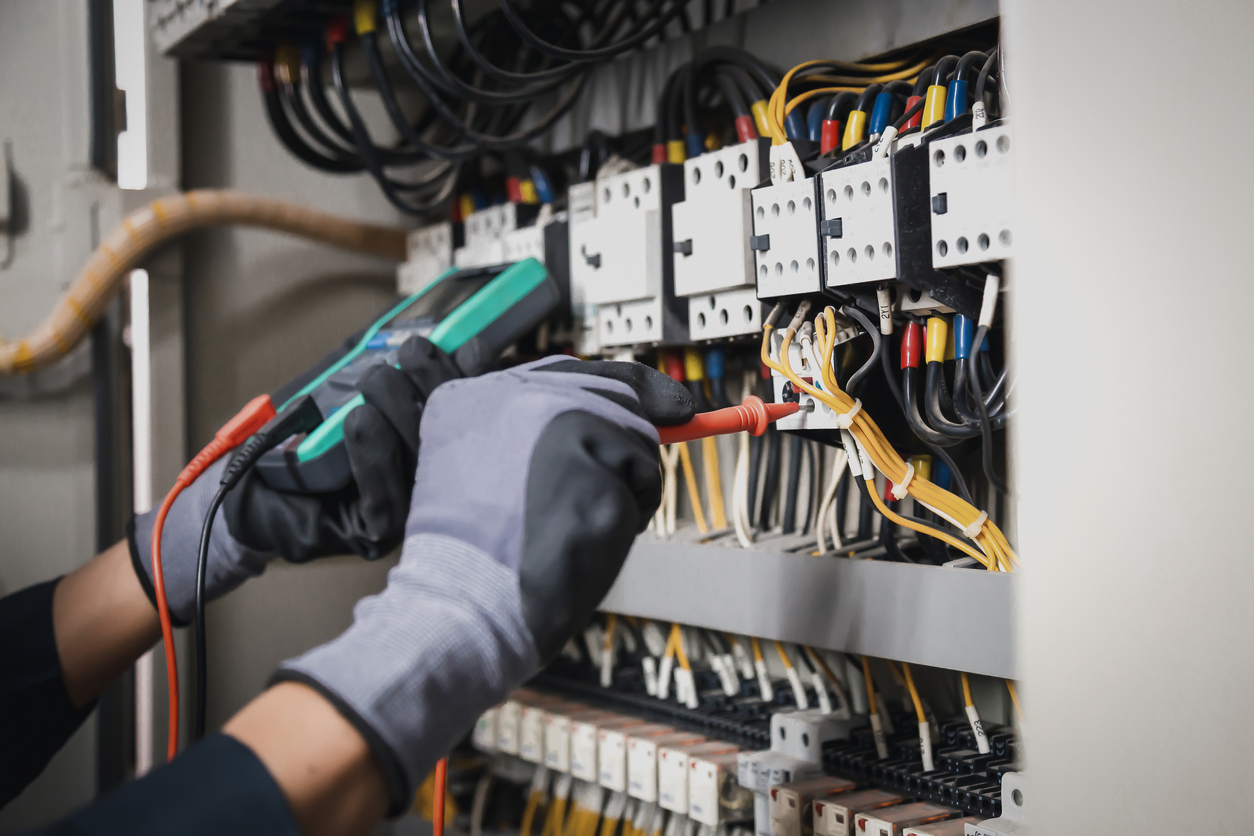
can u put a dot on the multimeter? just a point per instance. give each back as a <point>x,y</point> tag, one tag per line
<point>472,315</point>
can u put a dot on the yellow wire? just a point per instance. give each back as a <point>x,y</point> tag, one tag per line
<point>1014,698</point>
<point>713,481</point>
<point>553,822</point>
<point>608,826</point>
<point>757,648</point>
<point>783,655</point>
<point>966,690</point>
<point>690,478</point>
<point>777,110</point>
<point>679,647</point>
<point>611,621</point>
<point>914,694</point>
<point>870,684</point>
<point>814,654</point>
<point>529,813</point>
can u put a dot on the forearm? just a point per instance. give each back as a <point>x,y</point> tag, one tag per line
<point>330,779</point>
<point>103,622</point>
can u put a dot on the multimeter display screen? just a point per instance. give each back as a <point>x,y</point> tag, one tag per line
<point>418,319</point>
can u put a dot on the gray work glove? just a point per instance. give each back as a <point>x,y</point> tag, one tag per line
<point>257,523</point>
<point>532,485</point>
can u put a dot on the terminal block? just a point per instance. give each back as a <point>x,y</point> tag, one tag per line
<point>813,414</point>
<point>858,238</point>
<point>429,252</point>
<point>972,197</point>
<point>785,239</point>
<point>621,258</point>
<point>713,263</point>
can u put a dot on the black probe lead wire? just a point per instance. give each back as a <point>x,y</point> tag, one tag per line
<point>986,448</point>
<point>885,364</point>
<point>202,562</point>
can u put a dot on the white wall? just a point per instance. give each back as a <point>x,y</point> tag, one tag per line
<point>1131,303</point>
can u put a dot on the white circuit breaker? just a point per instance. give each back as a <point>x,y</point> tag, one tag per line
<point>972,197</point>
<point>486,231</point>
<point>713,264</point>
<point>858,239</point>
<point>621,258</point>
<point>786,239</point>
<point>429,252</point>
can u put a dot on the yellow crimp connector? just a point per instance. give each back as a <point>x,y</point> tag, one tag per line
<point>694,368</point>
<point>287,62</point>
<point>758,109</point>
<point>937,336</point>
<point>922,466</point>
<point>365,16</point>
<point>933,105</point>
<point>855,129</point>
<point>528,190</point>
<point>675,151</point>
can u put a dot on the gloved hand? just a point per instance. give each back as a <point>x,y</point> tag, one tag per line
<point>258,523</point>
<point>531,487</point>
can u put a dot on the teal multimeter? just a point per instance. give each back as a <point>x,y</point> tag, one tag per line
<point>472,315</point>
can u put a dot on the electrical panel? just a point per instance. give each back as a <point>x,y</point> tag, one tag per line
<point>972,197</point>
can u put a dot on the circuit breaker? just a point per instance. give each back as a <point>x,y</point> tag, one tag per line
<point>486,231</point>
<point>785,239</point>
<point>620,258</point>
<point>713,263</point>
<point>972,197</point>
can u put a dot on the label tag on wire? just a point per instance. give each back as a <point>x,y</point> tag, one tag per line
<point>785,164</point>
<point>977,726</point>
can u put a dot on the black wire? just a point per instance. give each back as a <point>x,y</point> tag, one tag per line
<point>202,562</point>
<point>867,99</point>
<point>842,500</point>
<point>921,83</point>
<point>908,115</point>
<point>967,61</point>
<point>291,140</point>
<point>932,405</point>
<point>296,104</point>
<point>944,69</point>
<point>866,509</point>
<point>770,477</point>
<point>812,459</point>
<point>982,81</point>
<point>596,54</point>
<point>840,106</point>
<point>986,449</point>
<point>878,346</point>
<point>365,147</point>
<point>795,444</point>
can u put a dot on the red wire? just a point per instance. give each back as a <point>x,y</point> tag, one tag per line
<point>437,815</point>
<point>233,433</point>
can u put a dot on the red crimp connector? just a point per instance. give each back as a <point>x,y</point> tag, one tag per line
<point>675,365</point>
<point>659,153</point>
<point>888,492</point>
<point>829,139</point>
<point>752,416</point>
<point>513,189</point>
<point>915,120</point>
<point>745,129</point>
<point>911,346</point>
<point>265,75</point>
<point>337,32</point>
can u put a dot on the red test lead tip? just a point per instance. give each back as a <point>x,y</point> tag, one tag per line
<point>752,416</point>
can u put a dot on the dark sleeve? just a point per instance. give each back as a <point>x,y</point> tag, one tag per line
<point>218,786</point>
<point>36,715</point>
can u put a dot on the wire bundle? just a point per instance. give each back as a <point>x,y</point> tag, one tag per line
<point>867,447</point>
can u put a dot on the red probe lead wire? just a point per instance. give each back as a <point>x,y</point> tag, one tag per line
<point>235,432</point>
<point>752,416</point>
<point>437,812</point>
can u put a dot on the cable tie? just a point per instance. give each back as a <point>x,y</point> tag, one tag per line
<point>973,530</point>
<point>844,420</point>
<point>899,490</point>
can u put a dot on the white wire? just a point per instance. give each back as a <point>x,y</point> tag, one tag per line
<point>827,507</point>
<point>740,491</point>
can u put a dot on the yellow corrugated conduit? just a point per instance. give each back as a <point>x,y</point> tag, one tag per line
<point>145,230</point>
